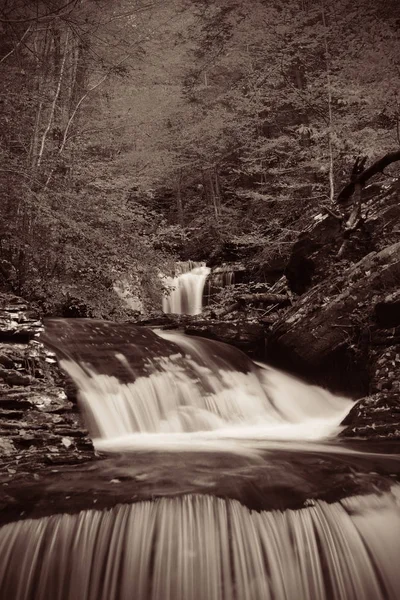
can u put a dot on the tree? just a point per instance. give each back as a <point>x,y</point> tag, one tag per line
<point>65,228</point>
<point>280,98</point>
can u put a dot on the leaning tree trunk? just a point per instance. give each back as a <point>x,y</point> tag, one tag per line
<point>376,168</point>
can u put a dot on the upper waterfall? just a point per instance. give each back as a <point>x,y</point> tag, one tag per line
<point>186,289</point>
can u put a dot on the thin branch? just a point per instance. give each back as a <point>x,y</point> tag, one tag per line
<point>57,13</point>
<point>332,213</point>
<point>74,112</point>
<point>17,45</point>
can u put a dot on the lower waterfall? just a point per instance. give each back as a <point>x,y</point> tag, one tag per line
<point>207,548</point>
<point>217,488</point>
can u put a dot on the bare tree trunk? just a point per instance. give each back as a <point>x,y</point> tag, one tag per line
<point>54,103</point>
<point>354,220</point>
<point>217,191</point>
<point>42,73</point>
<point>330,119</point>
<point>213,194</point>
<point>179,203</point>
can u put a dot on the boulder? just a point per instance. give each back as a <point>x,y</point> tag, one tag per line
<point>375,417</point>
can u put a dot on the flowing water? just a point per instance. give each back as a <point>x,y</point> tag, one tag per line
<point>204,399</point>
<point>219,278</point>
<point>186,289</point>
<point>206,528</point>
<point>207,548</point>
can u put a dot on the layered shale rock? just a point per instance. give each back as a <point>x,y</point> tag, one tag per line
<point>38,424</point>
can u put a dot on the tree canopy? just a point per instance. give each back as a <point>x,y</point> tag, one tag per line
<point>131,131</point>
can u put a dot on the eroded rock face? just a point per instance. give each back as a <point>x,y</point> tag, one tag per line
<point>321,334</point>
<point>36,417</point>
<point>101,344</point>
<point>17,320</point>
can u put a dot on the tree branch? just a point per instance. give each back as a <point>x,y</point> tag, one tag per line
<point>16,45</point>
<point>374,169</point>
<point>56,13</point>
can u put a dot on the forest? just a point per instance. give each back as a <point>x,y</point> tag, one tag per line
<point>200,299</point>
<point>136,133</point>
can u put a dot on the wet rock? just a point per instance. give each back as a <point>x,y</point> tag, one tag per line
<point>6,446</point>
<point>374,417</point>
<point>35,413</point>
<point>11,414</point>
<point>13,402</point>
<point>119,349</point>
<point>17,321</point>
<point>6,361</point>
<point>248,337</point>
<point>320,336</point>
<point>12,377</point>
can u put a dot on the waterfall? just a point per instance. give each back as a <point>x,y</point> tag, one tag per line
<point>186,294</point>
<point>205,548</point>
<point>208,391</point>
<point>219,278</point>
<point>203,523</point>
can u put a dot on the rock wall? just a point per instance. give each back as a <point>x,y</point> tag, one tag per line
<point>39,426</point>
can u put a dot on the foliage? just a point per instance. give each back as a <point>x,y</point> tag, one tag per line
<point>278,99</point>
<point>133,132</point>
<point>69,227</point>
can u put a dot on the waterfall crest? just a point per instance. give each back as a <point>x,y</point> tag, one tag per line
<point>186,294</point>
<point>204,548</point>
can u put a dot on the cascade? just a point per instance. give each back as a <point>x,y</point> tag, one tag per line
<point>218,278</point>
<point>206,391</point>
<point>207,529</point>
<point>186,293</point>
<point>198,547</point>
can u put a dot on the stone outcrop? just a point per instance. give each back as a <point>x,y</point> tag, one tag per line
<point>244,335</point>
<point>374,417</point>
<point>123,350</point>
<point>329,328</point>
<point>341,328</point>
<point>38,424</point>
